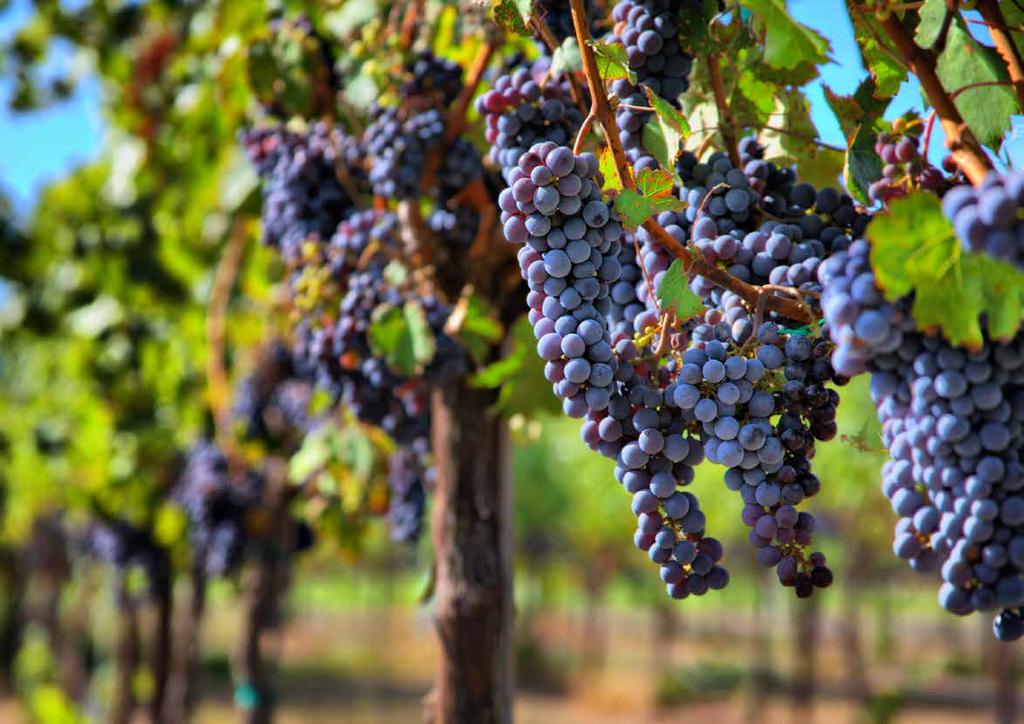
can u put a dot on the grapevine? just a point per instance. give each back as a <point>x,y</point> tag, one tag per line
<point>336,266</point>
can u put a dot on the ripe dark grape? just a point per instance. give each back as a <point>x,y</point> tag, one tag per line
<point>215,506</point>
<point>407,482</point>
<point>520,111</point>
<point>952,421</point>
<point>905,170</point>
<point>986,219</point>
<point>302,196</point>
<point>649,30</point>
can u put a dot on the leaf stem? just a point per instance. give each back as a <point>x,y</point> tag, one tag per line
<point>694,263</point>
<point>1004,44</point>
<point>728,126</point>
<point>217,388</point>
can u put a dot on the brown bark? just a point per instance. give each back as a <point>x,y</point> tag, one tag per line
<point>1000,659</point>
<point>762,655</point>
<point>851,631</point>
<point>265,583</point>
<point>181,688</point>
<point>594,646</point>
<point>472,543</point>
<point>806,630</point>
<point>1005,45</point>
<point>160,657</point>
<point>126,655</point>
<point>12,582</point>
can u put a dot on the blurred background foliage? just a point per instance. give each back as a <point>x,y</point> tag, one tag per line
<point>105,287</point>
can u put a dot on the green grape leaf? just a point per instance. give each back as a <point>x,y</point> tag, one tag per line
<point>519,376</point>
<point>860,117</point>
<point>693,26</point>
<point>790,140</point>
<point>864,108</point>
<point>237,182</point>
<point>914,249</point>
<point>606,165</point>
<point>886,69</point>
<point>655,143</point>
<point>361,91</point>
<point>931,16</point>
<point>1013,14</point>
<point>395,273</point>
<point>612,62</point>
<point>964,61</point>
<point>654,183</point>
<point>402,337</point>
<point>477,325</point>
<point>672,126</point>
<point>787,42</point>
<point>862,166</point>
<point>511,14</point>
<point>674,293</point>
<point>350,17</point>
<point>635,209</point>
<point>567,58</point>
<point>757,91</point>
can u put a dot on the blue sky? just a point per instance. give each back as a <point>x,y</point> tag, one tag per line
<point>41,146</point>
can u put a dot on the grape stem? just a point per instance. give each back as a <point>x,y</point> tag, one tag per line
<point>457,115</point>
<point>980,84</point>
<point>600,108</point>
<point>727,125</point>
<point>928,126</point>
<point>548,38</point>
<point>217,388</point>
<point>1007,28</point>
<point>967,152</point>
<point>585,127</point>
<point>947,22</point>
<point>414,232</point>
<point>411,22</point>
<point>1004,44</point>
<point>802,137</point>
<point>694,263</point>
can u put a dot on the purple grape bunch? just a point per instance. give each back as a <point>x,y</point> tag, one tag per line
<point>953,422</point>
<point>987,218</point>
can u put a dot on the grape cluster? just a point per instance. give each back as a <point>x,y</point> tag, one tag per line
<point>399,148</point>
<point>569,258</point>
<point>558,17</point>
<point>339,350</point>
<point>408,484</point>
<point>760,416</point>
<point>433,79</point>
<point>571,243</point>
<point>302,196</point>
<point>649,30</point>
<point>655,452</point>
<point>124,546</point>
<point>987,218</point>
<point>272,402</point>
<point>216,508</point>
<point>524,108</point>
<point>905,169</point>
<point>953,421</point>
<point>339,270</point>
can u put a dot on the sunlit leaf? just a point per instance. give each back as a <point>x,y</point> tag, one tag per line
<point>915,250</point>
